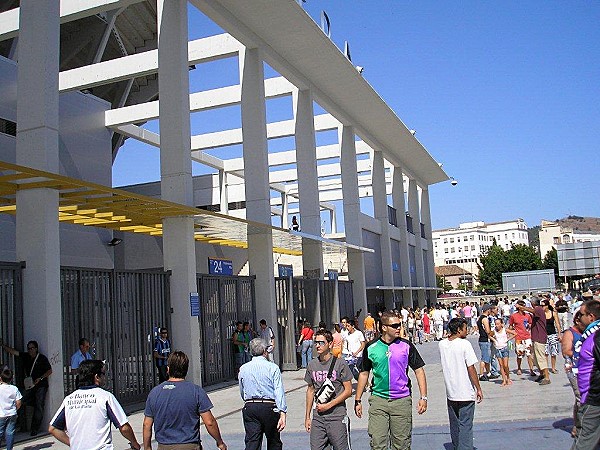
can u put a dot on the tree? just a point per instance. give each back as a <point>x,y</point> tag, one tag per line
<point>496,260</point>
<point>551,262</point>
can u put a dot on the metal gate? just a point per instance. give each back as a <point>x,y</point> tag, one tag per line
<point>11,309</point>
<point>119,312</point>
<point>224,300</point>
<point>346,298</point>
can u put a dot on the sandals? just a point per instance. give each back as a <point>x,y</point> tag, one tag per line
<point>553,370</point>
<point>519,372</point>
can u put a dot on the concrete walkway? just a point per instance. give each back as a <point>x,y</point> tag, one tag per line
<point>524,415</point>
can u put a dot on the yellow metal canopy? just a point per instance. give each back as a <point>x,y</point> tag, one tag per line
<point>91,204</point>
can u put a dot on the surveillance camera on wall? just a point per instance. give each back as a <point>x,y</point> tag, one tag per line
<point>454,182</point>
<point>360,69</point>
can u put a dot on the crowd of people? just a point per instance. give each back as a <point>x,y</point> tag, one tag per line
<point>349,359</point>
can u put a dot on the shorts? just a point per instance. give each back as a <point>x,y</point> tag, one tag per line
<point>502,352</point>
<point>325,430</point>
<point>523,347</point>
<point>539,355</point>
<point>552,345</point>
<point>486,355</point>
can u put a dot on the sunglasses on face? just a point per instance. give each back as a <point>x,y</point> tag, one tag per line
<point>319,343</point>
<point>393,325</point>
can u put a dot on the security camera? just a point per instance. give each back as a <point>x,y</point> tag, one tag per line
<point>360,69</point>
<point>454,182</point>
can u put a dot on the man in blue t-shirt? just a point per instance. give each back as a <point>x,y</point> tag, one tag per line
<point>175,406</point>
<point>162,350</point>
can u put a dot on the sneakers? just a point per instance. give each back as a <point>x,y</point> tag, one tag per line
<point>539,379</point>
<point>544,382</point>
<point>493,377</point>
<point>484,378</point>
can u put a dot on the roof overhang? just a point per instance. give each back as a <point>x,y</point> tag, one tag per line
<point>295,46</point>
<point>89,204</point>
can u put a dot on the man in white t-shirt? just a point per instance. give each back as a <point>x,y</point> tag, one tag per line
<point>462,384</point>
<point>353,347</point>
<point>84,418</point>
<point>438,322</point>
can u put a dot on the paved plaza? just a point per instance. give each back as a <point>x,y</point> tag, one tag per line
<point>522,416</point>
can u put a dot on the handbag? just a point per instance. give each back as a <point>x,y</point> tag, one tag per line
<point>28,381</point>
<point>326,392</point>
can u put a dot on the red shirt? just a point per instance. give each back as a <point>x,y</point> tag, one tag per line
<point>307,334</point>
<point>521,323</point>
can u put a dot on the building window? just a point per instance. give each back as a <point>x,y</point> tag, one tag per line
<point>445,240</point>
<point>556,240</point>
<point>472,248</point>
<point>472,237</point>
<point>452,250</point>
<point>451,240</point>
<point>435,244</point>
<point>566,239</point>
<point>445,250</point>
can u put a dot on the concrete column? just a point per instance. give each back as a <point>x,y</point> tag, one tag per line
<point>179,251</point>
<point>353,230</point>
<point>223,192</point>
<point>285,209</point>
<point>308,189</point>
<point>333,220</point>
<point>426,219</point>
<point>400,206</point>
<point>413,210</point>
<point>380,209</point>
<point>256,162</point>
<point>37,229</point>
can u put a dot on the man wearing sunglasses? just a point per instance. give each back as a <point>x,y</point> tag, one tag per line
<point>390,404</point>
<point>329,423</point>
<point>87,414</point>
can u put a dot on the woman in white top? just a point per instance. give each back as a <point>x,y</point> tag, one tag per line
<point>500,336</point>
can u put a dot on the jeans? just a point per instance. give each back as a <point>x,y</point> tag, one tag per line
<point>35,397</point>
<point>494,369</point>
<point>306,352</point>
<point>485,349</point>
<point>7,430</point>
<point>461,416</point>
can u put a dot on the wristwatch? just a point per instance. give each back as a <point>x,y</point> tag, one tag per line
<point>357,402</point>
<point>424,398</point>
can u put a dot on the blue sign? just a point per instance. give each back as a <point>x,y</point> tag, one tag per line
<point>395,266</point>
<point>194,304</point>
<point>285,270</point>
<point>220,266</point>
<point>332,274</point>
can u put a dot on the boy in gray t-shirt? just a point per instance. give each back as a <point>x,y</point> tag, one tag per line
<point>329,424</point>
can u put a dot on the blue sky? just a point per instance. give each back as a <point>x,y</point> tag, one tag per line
<point>504,94</point>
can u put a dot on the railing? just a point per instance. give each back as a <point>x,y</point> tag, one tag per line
<point>409,224</point>
<point>423,235</point>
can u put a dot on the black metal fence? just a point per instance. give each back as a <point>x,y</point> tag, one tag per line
<point>119,312</point>
<point>224,300</point>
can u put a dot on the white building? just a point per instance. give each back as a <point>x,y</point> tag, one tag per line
<point>464,245</point>
<point>552,234</point>
<point>86,77</point>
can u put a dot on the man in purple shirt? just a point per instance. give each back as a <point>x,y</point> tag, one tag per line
<point>538,339</point>
<point>588,378</point>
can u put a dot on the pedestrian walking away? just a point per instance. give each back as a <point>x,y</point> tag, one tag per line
<point>162,350</point>
<point>174,408</point>
<point>329,385</point>
<point>83,420</point>
<point>462,385</point>
<point>390,403</point>
<point>306,343</point>
<point>539,337</point>
<point>37,370</point>
<point>261,388</point>
<point>10,402</point>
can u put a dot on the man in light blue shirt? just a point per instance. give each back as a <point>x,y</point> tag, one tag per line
<point>83,354</point>
<point>262,390</point>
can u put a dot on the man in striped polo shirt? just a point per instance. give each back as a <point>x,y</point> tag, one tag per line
<point>390,404</point>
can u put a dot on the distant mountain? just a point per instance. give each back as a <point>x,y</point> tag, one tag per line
<point>582,224</point>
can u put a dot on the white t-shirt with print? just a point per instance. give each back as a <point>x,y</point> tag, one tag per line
<point>456,356</point>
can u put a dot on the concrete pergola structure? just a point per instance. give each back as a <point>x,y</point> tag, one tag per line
<point>312,70</point>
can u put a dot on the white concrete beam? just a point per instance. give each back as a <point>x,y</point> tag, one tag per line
<point>141,64</point>
<point>70,10</point>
